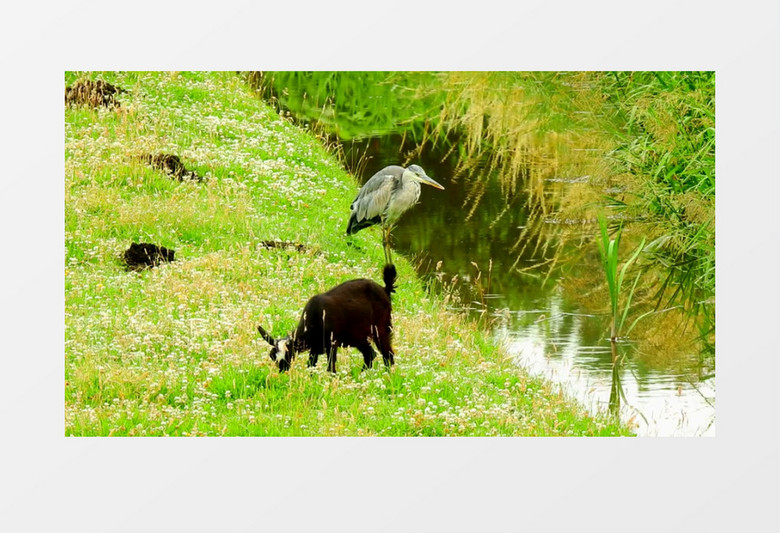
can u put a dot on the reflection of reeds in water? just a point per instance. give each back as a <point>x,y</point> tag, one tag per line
<point>616,390</point>
<point>500,135</point>
<point>512,130</point>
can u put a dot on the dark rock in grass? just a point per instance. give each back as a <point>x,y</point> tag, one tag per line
<point>92,93</point>
<point>171,165</point>
<point>146,255</point>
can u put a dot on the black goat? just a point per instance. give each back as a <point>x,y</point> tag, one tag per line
<point>351,314</point>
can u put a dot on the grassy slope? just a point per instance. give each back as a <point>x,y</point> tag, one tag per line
<point>174,350</point>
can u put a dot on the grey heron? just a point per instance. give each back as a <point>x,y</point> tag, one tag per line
<point>385,197</point>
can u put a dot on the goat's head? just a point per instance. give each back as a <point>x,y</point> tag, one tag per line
<point>282,350</point>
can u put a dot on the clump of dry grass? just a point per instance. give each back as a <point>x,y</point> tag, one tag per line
<point>94,93</point>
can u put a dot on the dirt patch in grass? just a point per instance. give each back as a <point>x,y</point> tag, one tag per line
<point>289,245</point>
<point>171,165</point>
<point>92,93</point>
<point>146,255</point>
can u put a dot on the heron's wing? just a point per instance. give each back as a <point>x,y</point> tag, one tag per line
<point>374,196</point>
<point>392,173</point>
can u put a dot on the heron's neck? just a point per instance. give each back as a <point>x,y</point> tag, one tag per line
<point>408,181</point>
<point>410,185</point>
<point>404,197</point>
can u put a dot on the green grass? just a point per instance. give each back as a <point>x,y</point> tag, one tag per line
<point>174,350</point>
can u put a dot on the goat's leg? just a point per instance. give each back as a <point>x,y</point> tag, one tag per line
<point>332,359</point>
<point>368,355</point>
<point>386,349</point>
<point>313,356</point>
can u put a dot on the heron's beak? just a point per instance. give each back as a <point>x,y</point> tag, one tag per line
<point>430,181</point>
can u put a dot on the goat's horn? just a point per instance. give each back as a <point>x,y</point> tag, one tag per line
<point>270,340</point>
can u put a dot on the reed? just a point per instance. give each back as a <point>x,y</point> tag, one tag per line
<point>609,250</point>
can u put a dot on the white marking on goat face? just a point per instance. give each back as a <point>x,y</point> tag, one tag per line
<point>281,350</point>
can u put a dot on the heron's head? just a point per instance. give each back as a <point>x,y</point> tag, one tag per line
<point>282,350</point>
<point>418,174</point>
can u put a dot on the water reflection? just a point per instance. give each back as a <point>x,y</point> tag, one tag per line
<point>486,249</point>
<point>616,389</point>
<point>565,350</point>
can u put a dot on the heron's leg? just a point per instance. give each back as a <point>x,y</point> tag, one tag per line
<point>388,256</point>
<point>386,244</point>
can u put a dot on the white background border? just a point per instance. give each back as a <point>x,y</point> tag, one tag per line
<point>727,483</point>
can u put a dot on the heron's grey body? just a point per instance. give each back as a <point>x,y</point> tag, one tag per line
<point>385,197</point>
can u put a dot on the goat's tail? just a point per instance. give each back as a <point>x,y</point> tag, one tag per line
<point>389,275</point>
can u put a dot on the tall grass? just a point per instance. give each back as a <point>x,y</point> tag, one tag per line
<point>667,145</point>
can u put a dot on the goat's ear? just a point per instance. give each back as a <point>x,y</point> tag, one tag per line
<point>270,340</point>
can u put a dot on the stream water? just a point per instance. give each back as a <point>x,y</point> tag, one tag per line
<point>544,328</point>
